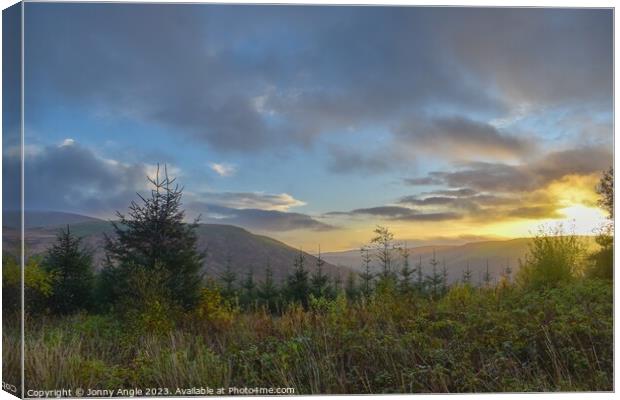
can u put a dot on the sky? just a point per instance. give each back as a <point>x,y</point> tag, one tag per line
<point>313,125</point>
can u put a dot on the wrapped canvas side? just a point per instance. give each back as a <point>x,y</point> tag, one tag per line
<point>12,212</point>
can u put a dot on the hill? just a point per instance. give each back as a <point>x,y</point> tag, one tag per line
<point>245,249</point>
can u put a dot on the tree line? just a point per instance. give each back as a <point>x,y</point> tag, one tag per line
<point>152,258</point>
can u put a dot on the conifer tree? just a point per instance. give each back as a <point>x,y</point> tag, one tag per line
<point>71,269</point>
<point>366,276</point>
<point>406,272</point>
<point>434,281</point>
<point>319,281</point>
<point>384,247</point>
<point>444,278</point>
<point>249,289</point>
<point>467,275</point>
<point>420,286</point>
<point>351,287</point>
<point>337,285</point>
<point>486,278</point>
<point>268,291</point>
<point>508,272</point>
<point>298,287</point>
<point>154,237</point>
<point>228,278</point>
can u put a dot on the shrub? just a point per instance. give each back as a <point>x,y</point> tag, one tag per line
<point>553,258</point>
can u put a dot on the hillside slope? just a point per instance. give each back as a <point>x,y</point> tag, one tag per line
<point>247,251</point>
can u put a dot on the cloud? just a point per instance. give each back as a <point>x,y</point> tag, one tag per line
<point>534,190</point>
<point>461,137</point>
<point>423,181</point>
<point>223,169</point>
<point>212,63</point>
<point>462,192</point>
<point>344,161</point>
<point>436,216</point>
<point>250,200</point>
<point>514,178</point>
<point>555,56</point>
<point>261,220</point>
<point>71,177</point>
<point>396,213</point>
<point>67,142</point>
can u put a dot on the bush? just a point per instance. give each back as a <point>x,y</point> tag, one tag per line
<point>553,258</point>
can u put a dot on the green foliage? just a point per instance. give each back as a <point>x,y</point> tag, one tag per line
<point>469,340</point>
<point>553,258</point>
<point>366,276</point>
<point>602,265</point>
<point>383,246</point>
<point>605,189</point>
<point>297,284</point>
<point>154,236</point>
<point>152,308</point>
<point>268,292</point>
<point>603,260</point>
<point>214,311</point>
<point>319,281</point>
<point>38,285</point>
<point>71,267</point>
<point>228,278</point>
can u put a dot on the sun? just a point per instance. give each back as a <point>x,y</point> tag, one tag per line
<point>585,220</point>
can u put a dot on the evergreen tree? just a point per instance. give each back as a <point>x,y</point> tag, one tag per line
<point>228,278</point>
<point>268,291</point>
<point>487,278</point>
<point>406,272</point>
<point>434,281</point>
<point>351,287</point>
<point>420,285</point>
<point>249,289</point>
<point>467,275</point>
<point>319,282</point>
<point>154,237</point>
<point>603,260</point>
<point>367,276</point>
<point>508,272</point>
<point>298,287</point>
<point>444,278</point>
<point>337,285</point>
<point>70,267</point>
<point>384,247</point>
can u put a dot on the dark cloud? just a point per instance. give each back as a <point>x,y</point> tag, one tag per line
<point>460,136</point>
<point>462,192</point>
<point>225,75</point>
<point>262,220</point>
<point>514,178</point>
<point>346,161</point>
<point>496,190</point>
<point>438,216</point>
<point>544,211</point>
<point>396,213</point>
<point>536,56</point>
<point>428,201</point>
<point>72,178</point>
<point>428,180</point>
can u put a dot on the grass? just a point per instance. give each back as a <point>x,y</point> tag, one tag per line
<point>470,340</point>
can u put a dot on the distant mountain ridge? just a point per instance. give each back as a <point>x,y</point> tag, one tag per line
<point>33,219</point>
<point>499,254</point>
<point>247,251</point>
